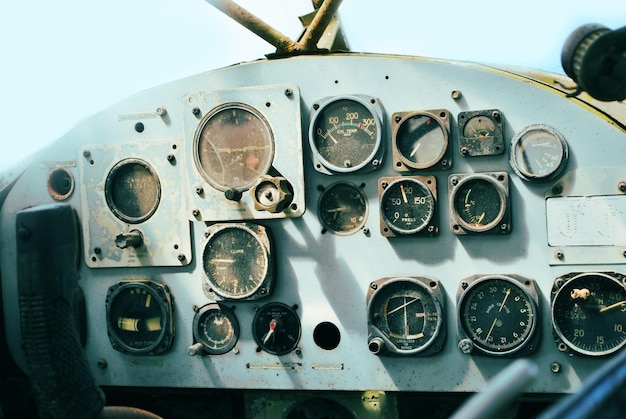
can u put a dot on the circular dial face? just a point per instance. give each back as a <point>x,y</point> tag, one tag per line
<point>342,208</point>
<point>479,127</point>
<point>478,203</point>
<point>132,191</point>
<point>589,314</point>
<point>346,135</point>
<point>497,315</point>
<point>421,141</point>
<point>233,147</point>
<point>538,153</point>
<point>139,318</point>
<point>407,314</point>
<point>276,328</point>
<point>235,261</point>
<point>407,205</point>
<point>217,328</point>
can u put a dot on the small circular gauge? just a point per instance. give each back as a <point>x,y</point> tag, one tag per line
<point>345,134</point>
<point>342,208</point>
<point>420,139</point>
<point>538,153</point>
<point>479,127</point>
<point>497,314</point>
<point>405,315</point>
<point>139,317</point>
<point>589,312</point>
<point>479,202</point>
<point>407,204</point>
<point>233,146</point>
<point>276,328</point>
<point>216,327</point>
<point>238,261</point>
<point>132,190</point>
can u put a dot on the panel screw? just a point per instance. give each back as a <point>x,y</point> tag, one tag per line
<point>86,153</point>
<point>181,257</point>
<point>196,111</point>
<point>456,94</point>
<point>464,150</point>
<point>454,181</point>
<point>466,346</point>
<point>97,250</point>
<point>199,190</point>
<point>555,367</point>
<point>496,115</point>
<point>288,92</point>
<point>464,285</point>
<point>384,185</point>
<point>622,186</point>
<point>161,111</point>
<point>195,212</point>
<point>102,363</point>
<point>559,255</point>
<point>373,286</point>
<point>557,189</point>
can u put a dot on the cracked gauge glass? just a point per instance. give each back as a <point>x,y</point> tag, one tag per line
<point>238,261</point>
<point>346,134</point>
<point>342,208</point>
<point>408,205</point>
<point>497,314</point>
<point>420,139</point>
<point>589,313</point>
<point>539,153</point>
<point>405,316</point>
<point>233,147</point>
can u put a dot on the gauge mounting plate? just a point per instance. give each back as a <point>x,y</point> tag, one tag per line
<point>481,133</point>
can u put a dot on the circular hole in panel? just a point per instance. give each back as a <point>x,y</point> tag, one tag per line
<point>326,335</point>
<point>60,184</point>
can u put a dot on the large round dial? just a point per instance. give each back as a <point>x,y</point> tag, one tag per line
<point>538,153</point>
<point>342,208</point>
<point>215,326</point>
<point>479,203</point>
<point>233,146</point>
<point>407,205</point>
<point>139,317</point>
<point>345,134</point>
<point>589,312</point>
<point>405,315</point>
<point>498,314</point>
<point>276,328</point>
<point>237,261</point>
<point>420,139</point>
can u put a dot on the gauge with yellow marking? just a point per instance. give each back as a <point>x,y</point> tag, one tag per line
<point>140,317</point>
<point>408,205</point>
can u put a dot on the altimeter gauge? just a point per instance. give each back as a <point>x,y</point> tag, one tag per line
<point>342,208</point>
<point>238,261</point>
<point>539,153</point>
<point>479,203</point>
<point>498,315</point>
<point>589,312</point>
<point>408,205</point>
<point>405,316</point>
<point>346,134</point>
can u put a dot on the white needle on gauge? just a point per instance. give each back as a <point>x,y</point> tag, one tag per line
<point>331,137</point>
<point>621,303</point>
<point>415,149</point>
<point>402,306</point>
<point>491,329</point>
<point>403,194</point>
<point>270,333</point>
<point>508,291</point>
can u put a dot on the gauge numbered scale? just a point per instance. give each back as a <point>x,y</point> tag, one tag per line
<point>589,313</point>
<point>342,208</point>
<point>479,203</point>
<point>539,153</point>
<point>498,315</point>
<point>481,133</point>
<point>408,206</point>
<point>216,329</point>
<point>346,134</point>
<point>238,261</point>
<point>276,328</point>
<point>405,316</point>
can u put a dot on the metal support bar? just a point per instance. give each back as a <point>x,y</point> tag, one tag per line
<point>316,29</point>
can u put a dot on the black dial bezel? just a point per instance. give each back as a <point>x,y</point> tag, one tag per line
<point>198,323</point>
<point>358,203</point>
<point>287,333</point>
<point>427,185</point>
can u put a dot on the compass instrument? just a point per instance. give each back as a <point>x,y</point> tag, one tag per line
<point>498,315</point>
<point>276,328</point>
<point>405,316</point>
<point>539,153</point>
<point>589,312</point>
<point>342,208</point>
<point>216,329</point>
<point>408,205</point>
<point>346,134</point>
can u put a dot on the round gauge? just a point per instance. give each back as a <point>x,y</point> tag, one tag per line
<point>342,208</point>
<point>237,261</point>
<point>406,313</point>
<point>132,190</point>
<point>479,202</point>
<point>588,313</point>
<point>276,328</point>
<point>407,204</point>
<point>216,327</point>
<point>139,317</point>
<point>479,127</point>
<point>345,134</point>
<point>421,140</point>
<point>233,146</point>
<point>498,315</point>
<point>538,153</point>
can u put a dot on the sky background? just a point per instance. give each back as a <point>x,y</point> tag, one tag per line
<point>65,60</point>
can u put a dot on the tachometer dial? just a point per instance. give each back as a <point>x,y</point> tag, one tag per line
<point>238,261</point>
<point>342,208</point>
<point>479,203</point>
<point>276,328</point>
<point>497,314</point>
<point>346,134</point>
<point>408,205</point>
<point>233,146</point>
<point>589,312</point>
<point>139,317</point>
<point>538,153</point>
<point>215,326</point>
<point>405,316</point>
<point>420,139</point>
